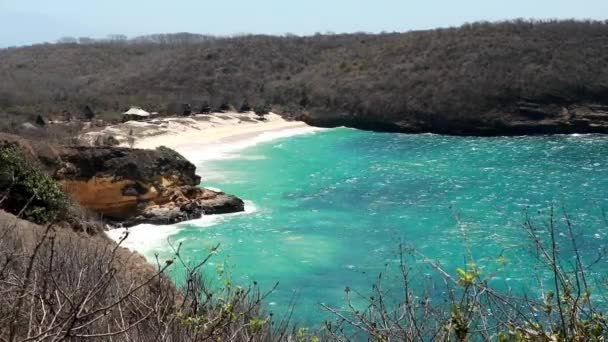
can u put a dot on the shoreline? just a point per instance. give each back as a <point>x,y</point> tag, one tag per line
<point>149,238</point>
<point>202,130</point>
<point>215,143</point>
<point>198,142</point>
<point>220,130</point>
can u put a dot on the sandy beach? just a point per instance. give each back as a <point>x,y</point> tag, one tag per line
<point>215,128</point>
<point>200,134</point>
<point>198,138</point>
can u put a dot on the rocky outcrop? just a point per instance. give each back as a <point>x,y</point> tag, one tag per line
<point>136,186</point>
<point>200,202</point>
<point>130,186</point>
<point>521,118</point>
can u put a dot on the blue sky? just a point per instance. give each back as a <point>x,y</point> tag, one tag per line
<point>33,21</point>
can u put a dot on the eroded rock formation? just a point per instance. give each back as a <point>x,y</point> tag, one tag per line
<point>130,186</point>
<point>521,118</point>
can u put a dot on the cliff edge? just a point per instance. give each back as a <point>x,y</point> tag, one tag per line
<point>128,186</point>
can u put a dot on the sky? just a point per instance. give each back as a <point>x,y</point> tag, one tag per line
<point>24,22</point>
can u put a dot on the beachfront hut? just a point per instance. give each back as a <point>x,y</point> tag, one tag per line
<point>135,113</point>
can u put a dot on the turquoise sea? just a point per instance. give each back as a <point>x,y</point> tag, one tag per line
<point>328,210</point>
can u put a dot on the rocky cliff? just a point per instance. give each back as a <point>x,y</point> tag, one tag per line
<point>521,118</point>
<point>139,186</point>
<point>130,186</point>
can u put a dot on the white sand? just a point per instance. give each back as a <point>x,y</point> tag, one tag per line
<point>222,128</point>
<point>204,136</point>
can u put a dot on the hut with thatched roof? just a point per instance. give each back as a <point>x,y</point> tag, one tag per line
<point>135,113</point>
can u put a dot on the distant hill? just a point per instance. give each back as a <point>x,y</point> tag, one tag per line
<point>483,78</point>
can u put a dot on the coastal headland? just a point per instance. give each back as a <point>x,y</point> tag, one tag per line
<point>144,179</point>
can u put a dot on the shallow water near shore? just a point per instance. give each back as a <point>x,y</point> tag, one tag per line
<point>329,210</point>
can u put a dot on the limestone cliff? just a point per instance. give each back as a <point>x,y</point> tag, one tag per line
<point>130,186</point>
<point>520,118</point>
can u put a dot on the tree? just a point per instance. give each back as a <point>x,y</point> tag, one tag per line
<point>245,107</point>
<point>117,38</point>
<point>67,40</point>
<point>304,99</point>
<point>187,109</point>
<point>205,108</point>
<point>224,107</point>
<point>40,121</point>
<point>89,114</point>
<point>31,193</point>
<point>85,40</point>
<point>262,109</point>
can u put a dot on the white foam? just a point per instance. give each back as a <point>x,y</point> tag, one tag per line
<point>145,238</point>
<point>197,153</point>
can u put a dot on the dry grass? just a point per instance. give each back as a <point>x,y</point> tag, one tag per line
<point>58,285</point>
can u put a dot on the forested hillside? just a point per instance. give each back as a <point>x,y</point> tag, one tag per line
<point>484,78</point>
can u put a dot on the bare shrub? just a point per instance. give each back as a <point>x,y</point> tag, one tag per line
<point>56,285</point>
<point>571,306</point>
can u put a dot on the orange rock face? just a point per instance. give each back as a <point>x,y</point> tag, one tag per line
<point>128,186</point>
<point>133,201</point>
<point>106,196</point>
<point>109,197</point>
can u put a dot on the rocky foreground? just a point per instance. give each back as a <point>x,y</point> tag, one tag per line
<point>129,186</point>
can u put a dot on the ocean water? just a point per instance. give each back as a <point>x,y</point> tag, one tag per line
<point>329,210</point>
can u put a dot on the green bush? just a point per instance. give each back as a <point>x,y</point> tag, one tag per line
<point>262,109</point>
<point>27,191</point>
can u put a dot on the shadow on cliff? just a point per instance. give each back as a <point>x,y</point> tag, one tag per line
<point>127,186</point>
